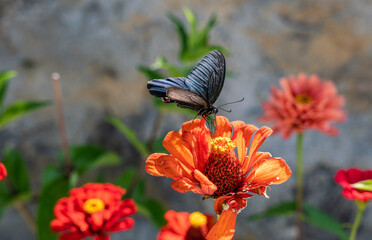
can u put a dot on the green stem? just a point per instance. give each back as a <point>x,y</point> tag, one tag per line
<point>361,207</point>
<point>299,186</point>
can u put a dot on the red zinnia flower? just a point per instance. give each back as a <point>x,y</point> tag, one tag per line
<point>3,172</point>
<point>349,178</point>
<point>186,226</point>
<point>305,102</point>
<point>93,210</point>
<point>208,165</point>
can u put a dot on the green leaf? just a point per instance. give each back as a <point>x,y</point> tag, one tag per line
<point>17,173</point>
<point>19,109</point>
<point>181,32</point>
<point>193,35</point>
<point>51,173</point>
<point>158,145</point>
<point>172,70</point>
<point>365,185</point>
<point>86,157</point>
<point>204,34</point>
<point>130,135</point>
<point>125,179</point>
<point>285,208</point>
<point>50,193</point>
<point>5,76</point>
<point>154,210</point>
<point>320,219</point>
<point>150,73</point>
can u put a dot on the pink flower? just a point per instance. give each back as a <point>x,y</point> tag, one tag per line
<point>347,179</point>
<point>303,103</point>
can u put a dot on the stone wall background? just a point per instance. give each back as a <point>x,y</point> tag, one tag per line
<point>97,45</point>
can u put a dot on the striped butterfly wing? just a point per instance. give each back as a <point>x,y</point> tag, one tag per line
<point>207,78</point>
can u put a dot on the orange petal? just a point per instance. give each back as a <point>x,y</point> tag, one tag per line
<point>224,229</point>
<point>223,127</point>
<point>191,125</point>
<point>184,184</point>
<point>171,167</point>
<point>270,171</point>
<point>259,138</point>
<point>257,157</point>
<point>239,140</point>
<point>206,185</point>
<point>200,145</point>
<point>218,203</point>
<point>178,148</point>
<point>150,166</point>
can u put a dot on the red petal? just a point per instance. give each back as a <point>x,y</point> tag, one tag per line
<point>224,229</point>
<point>3,171</point>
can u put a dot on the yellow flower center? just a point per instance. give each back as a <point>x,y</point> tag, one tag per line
<point>197,219</point>
<point>93,205</point>
<point>304,99</point>
<point>222,144</point>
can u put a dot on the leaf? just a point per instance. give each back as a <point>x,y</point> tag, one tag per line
<point>17,173</point>
<point>50,193</point>
<point>181,32</point>
<point>320,219</point>
<point>172,70</point>
<point>193,35</point>
<point>19,109</point>
<point>125,179</point>
<point>150,73</point>
<point>365,185</point>
<point>204,34</point>
<point>285,208</point>
<point>86,157</point>
<point>154,210</point>
<point>5,76</point>
<point>158,145</point>
<point>130,135</point>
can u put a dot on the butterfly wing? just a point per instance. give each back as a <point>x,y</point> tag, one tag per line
<point>157,87</point>
<point>207,78</point>
<point>187,99</point>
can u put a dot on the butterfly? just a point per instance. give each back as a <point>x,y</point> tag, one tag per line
<point>199,90</point>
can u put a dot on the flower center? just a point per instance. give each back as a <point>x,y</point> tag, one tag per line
<point>197,219</point>
<point>93,205</point>
<point>304,99</point>
<point>223,168</point>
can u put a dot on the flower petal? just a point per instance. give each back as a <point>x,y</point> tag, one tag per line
<point>224,229</point>
<point>150,166</point>
<point>206,185</point>
<point>223,127</point>
<point>175,145</point>
<point>270,171</point>
<point>184,184</point>
<point>171,167</point>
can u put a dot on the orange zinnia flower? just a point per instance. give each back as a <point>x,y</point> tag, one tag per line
<point>208,165</point>
<point>93,210</point>
<point>305,102</point>
<point>186,226</point>
<point>3,171</point>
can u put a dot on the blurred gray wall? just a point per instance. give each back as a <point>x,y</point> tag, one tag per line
<point>96,46</point>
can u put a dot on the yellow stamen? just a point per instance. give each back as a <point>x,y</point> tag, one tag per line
<point>197,219</point>
<point>222,144</point>
<point>93,205</point>
<point>304,99</point>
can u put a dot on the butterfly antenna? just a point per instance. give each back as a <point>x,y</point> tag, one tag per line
<point>241,100</point>
<point>229,111</point>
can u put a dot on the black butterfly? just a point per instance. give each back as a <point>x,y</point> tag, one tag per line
<point>199,90</point>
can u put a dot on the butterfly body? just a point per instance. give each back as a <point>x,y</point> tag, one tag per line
<point>199,90</point>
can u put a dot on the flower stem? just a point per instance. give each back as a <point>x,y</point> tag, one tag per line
<point>358,217</point>
<point>61,122</point>
<point>299,182</point>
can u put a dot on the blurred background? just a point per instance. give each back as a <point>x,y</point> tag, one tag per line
<point>98,46</point>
